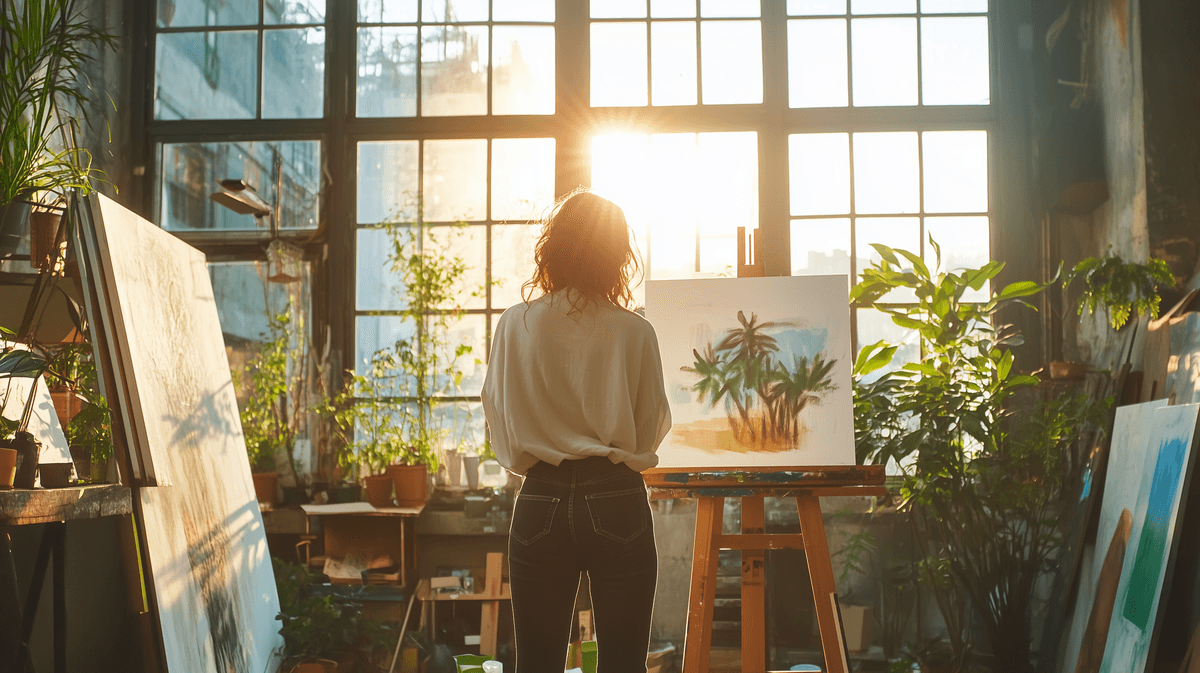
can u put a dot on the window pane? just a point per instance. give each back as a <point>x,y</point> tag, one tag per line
<point>728,190</point>
<point>522,177</point>
<point>184,13</point>
<point>672,9</point>
<point>618,9</point>
<point>954,61</point>
<point>903,233</point>
<point>377,287</point>
<point>293,73</point>
<point>454,64</point>
<point>731,62</point>
<point>455,180</point>
<point>294,11</point>
<point>965,245</point>
<point>451,11</point>
<point>374,332</point>
<point>956,171</point>
<point>469,243</point>
<point>673,62</point>
<point>815,7</point>
<point>523,70</point>
<point>462,422</point>
<point>387,72</point>
<point>190,173</point>
<point>677,167</point>
<point>245,299</point>
<point>875,326</point>
<point>819,170</point>
<point>883,6</point>
<point>884,61</point>
<point>387,11</point>
<point>885,173</point>
<point>387,181</point>
<point>817,72</point>
<point>821,247</point>
<point>206,75</point>
<point>471,331</point>
<point>621,169</point>
<point>522,10</point>
<point>729,8</point>
<point>954,6</point>
<point>512,261</point>
<point>618,63</point>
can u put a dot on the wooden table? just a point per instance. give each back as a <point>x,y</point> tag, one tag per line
<point>53,507</point>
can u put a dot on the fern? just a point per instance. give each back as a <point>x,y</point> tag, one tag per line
<point>1122,287</point>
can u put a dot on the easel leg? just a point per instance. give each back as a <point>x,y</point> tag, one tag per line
<point>754,644</point>
<point>709,514</point>
<point>820,573</point>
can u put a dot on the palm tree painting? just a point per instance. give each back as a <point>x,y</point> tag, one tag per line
<point>763,396</point>
<point>757,370</point>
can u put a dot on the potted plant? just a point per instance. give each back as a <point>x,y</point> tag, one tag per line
<point>1122,288</point>
<point>324,634</point>
<point>981,491</point>
<point>43,45</point>
<point>19,460</point>
<point>274,387</point>
<point>81,408</point>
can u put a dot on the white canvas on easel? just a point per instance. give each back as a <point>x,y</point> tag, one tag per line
<point>739,404</point>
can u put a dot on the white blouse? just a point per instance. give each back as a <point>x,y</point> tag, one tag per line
<point>564,385</point>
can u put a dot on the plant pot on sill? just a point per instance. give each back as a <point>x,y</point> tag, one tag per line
<point>66,404</point>
<point>265,486</point>
<point>379,489</point>
<point>8,468</point>
<point>29,450</point>
<point>412,484</point>
<point>43,233</point>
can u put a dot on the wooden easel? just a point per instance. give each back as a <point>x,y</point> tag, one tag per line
<point>807,486</point>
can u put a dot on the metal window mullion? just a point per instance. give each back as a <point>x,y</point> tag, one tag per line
<point>262,66</point>
<point>853,244</point>
<point>699,60</point>
<point>849,62</point>
<point>920,68</point>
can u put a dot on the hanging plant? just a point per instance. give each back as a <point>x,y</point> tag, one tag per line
<point>1121,287</point>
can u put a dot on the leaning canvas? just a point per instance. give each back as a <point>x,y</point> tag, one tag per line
<point>757,371</point>
<point>1153,541</point>
<point>208,560</point>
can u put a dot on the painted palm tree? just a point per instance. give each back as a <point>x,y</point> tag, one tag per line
<point>766,395</point>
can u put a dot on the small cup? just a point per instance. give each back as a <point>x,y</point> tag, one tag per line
<point>468,584</point>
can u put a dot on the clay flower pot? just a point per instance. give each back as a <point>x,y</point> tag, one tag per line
<point>265,484</point>
<point>8,468</point>
<point>379,490</point>
<point>412,484</point>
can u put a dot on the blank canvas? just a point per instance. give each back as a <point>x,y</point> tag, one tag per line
<point>757,370</point>
<point>208,558</point>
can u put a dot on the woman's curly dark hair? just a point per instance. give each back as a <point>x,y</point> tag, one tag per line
<point>586,246</point>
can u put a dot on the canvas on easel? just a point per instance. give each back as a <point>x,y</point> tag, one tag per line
<point>757,371</point>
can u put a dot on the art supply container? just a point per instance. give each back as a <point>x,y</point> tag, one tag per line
<point>470,663</point>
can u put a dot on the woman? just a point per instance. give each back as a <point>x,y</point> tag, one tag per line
<point>575,401</point>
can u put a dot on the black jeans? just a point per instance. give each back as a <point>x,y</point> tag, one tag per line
<point>583,516</point>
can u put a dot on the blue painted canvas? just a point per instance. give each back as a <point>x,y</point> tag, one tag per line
<point>1149,556</point>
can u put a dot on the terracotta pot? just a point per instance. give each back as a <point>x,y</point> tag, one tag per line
<point>66,405</point>
<point>318,666</point>
<point>43,233</point>
<point>412,484</point>
<point>8,468</point>
<point>379,490</point>
<point>265,486</point>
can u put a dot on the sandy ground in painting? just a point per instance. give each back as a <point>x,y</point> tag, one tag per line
<point>714,436</point>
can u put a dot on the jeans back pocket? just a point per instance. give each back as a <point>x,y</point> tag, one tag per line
<point>619,515</point>
<point>532,517</point>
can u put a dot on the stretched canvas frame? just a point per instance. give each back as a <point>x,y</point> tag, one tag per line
<point>205,546</point>
<point>757,371</point>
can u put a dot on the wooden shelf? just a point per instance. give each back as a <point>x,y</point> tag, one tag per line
<point>21,507</point>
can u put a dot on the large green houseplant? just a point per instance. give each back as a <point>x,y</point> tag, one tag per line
<point>1123,288</point>
<point>981,489</point>
<point>43,45</point>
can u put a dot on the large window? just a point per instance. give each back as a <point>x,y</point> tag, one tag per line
<point>823,126</point>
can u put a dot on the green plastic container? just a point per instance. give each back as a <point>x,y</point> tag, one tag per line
<point>588,650</point>
<point>470,663</point>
